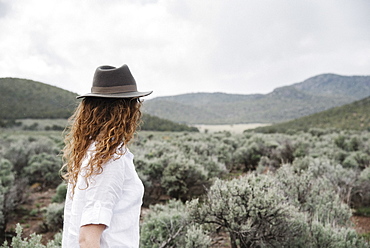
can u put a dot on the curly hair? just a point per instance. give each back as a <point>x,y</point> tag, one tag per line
<point>110,123</point>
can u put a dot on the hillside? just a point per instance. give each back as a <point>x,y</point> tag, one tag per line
<point>285,103</point>
<point>27,99</point>
<point>22,98</point>
<point>355,116</point>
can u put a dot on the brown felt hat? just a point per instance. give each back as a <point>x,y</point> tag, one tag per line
<point>112,82</point>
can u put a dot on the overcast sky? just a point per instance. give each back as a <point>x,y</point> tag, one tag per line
<point>182,46</point>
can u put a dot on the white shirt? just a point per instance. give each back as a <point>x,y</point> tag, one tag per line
<point>113,198</point>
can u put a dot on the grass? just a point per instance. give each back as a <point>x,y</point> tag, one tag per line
<point>363,211</point>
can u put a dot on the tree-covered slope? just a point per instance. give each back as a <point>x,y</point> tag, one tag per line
<point>154,123</point>
<point>285,103</point>
<point>22,98</point>
<point>355,116</point>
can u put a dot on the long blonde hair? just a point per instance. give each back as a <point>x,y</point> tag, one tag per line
<point>109,122</point>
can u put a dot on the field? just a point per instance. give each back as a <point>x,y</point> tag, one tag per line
<point>209,189</point>
<point>234,128</point>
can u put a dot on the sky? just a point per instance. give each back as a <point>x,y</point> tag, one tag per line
<point>183,46</point>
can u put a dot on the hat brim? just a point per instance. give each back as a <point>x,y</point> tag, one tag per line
<point>118,95</point>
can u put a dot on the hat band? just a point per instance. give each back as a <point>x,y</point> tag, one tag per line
<point>114,89</point>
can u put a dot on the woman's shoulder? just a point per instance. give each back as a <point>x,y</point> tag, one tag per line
<point>124,152</point>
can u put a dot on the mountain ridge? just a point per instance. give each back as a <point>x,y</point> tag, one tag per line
<point>282,104</point>
<point>310,96</point>
<point>323,84</point>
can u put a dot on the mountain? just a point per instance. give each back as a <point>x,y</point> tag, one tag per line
<point>27,99</point>
<point>355,116</point>
<point>285,103</point>
<point>334,85</point>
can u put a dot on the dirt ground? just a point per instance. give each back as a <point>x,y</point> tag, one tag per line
<point>361,224</point>
<point>30,215</point>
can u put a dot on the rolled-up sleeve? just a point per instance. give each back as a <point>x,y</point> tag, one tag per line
<point>102,194</point>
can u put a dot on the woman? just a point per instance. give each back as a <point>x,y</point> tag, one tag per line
<point>104,195</point>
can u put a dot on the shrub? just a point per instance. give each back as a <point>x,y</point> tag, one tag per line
<point>184,179</point>
<point>32,127</point>
<point>291,209</point>
<point>360,196</point>
<point>2,217</point>
<point>53,217</point>
<point>252,210</point>
<point>34,241</point>
<point>249,156</point>
<point>322,235</point>
<point>17,153</point>
<point>165,225</point>
<point>18,150</point>
<point>286,151</point>
<point>196,237</point>
<point>11,192</point>
<point>313,195</point>
<point>44,169</point>
<point>61,192</point>
<point>6,172</point>
<point>340,141</point>
<point>352,144</point>
<point>350,162</point>
<point>181,168</point>
<point>343,180</point>
<point>169,226</point>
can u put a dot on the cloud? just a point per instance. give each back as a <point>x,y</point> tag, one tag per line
<point>3,9</point>
<point>182,46</point>
<point>285,37</point>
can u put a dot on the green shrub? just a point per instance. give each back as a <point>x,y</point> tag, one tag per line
<point>179,166</point>
<point>11,192</point>
<point>183,178</point>
<point>169,226</point>
<point>164,226</point>
<point>366,236</point>
<point>291,209</point>
<point>32,127</point>
<point>196,237</point>
<point>252,210</point>
<point>6,172</point>
<point>34,212</point>
<point>340,141</point>
<point>19,149</point>
<point>61,192</point>
<point>53,218</point>
<point>3,219</point>
<point>322,235</point>
<point>56,242</point>
<point>360,196</point>
<point>33,241</point>
<point>249,156</point>
<point>313,195</point>
<point>44,168</point>
<point>350,162</point>
<point>343,180</point>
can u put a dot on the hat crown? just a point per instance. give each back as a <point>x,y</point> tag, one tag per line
<point>114,82</point>
<point>106,76</point>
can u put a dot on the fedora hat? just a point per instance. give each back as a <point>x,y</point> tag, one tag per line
<point>112,82</point>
